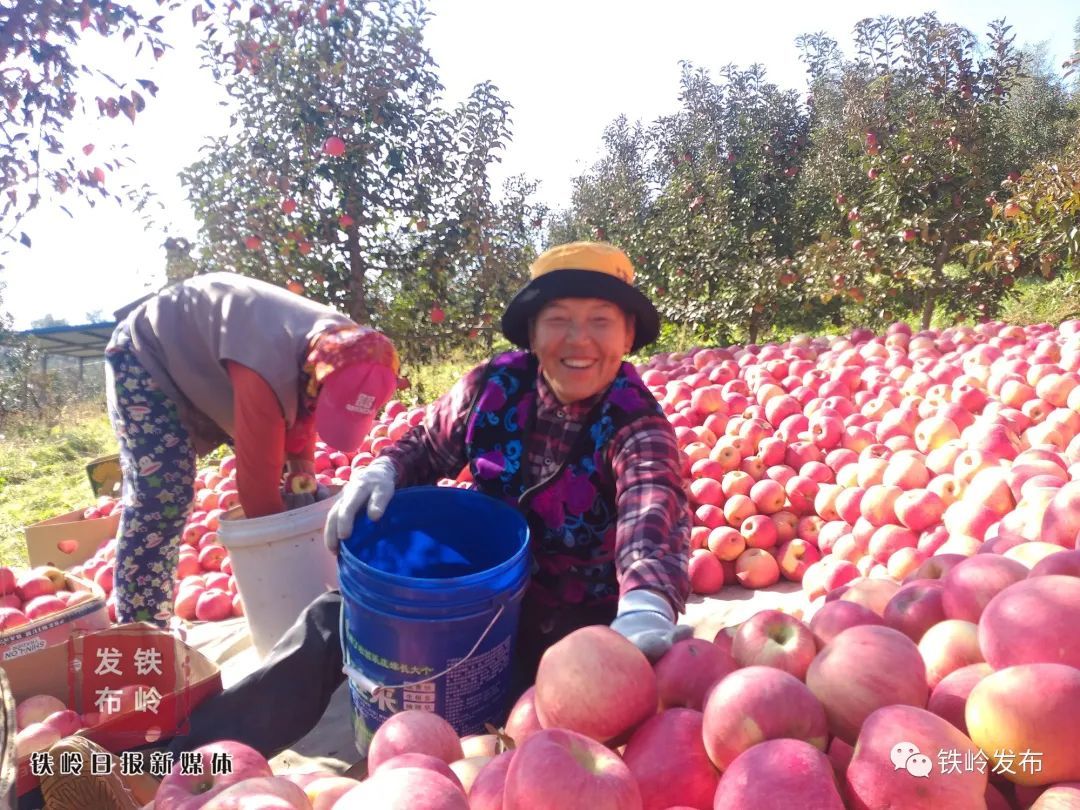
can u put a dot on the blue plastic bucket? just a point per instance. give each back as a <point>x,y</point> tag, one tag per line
<point>431,594</point>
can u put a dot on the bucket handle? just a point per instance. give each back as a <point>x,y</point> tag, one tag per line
<point>374,689</point>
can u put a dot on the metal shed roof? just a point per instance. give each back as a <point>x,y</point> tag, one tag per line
<point>86,342</point>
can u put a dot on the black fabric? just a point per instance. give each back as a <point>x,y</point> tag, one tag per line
<point>278,704</point>
<point>579,284</point>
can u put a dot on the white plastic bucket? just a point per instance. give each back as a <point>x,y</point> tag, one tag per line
<point>281,564</point>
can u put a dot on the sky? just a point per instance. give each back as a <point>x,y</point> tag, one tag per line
<point>568,67</point>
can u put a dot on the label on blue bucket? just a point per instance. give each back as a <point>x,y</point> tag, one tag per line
<point>403,654</point>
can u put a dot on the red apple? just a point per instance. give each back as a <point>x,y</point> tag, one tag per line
<point>949,698</point>
<point>726,543</point>
<point>183,790</point>
<point>794,557</point>
<point>522,721</point>
<point>872,593</point>
<point>1006,714</point>
<point>404,789</point>
<point>687,671</point>
<point>835,617</point>
<point>36,709</point>
<point>755,704</point>
<point>33,583</point>
<point>595,682</point>
<point>759,531</point>
<point>41,606</point>
<point>425,761</point>
<point>915,608</point>
<point>1064,563</point>
<point>779,773</point>
<point>919,509</point>
<point>187,600</point>
<point>334,146</point>
<point>706,573</point>
<point>861,670</point>
<point>671,743</point>
<point>33,738</point>
<point>776,639</point>
<point>971,584</point>
<point>896,763</point>
<point>558,769</point>
<point>947,646</point>
<point>264,792</point>
<point>488,787</point>
<point>413,732</point>
<point>1062,796</point>
<point>7,581</point>
<point>936,567</point>
<point>757,568</point>
<point>213,605</point>
<point>1033,621</point>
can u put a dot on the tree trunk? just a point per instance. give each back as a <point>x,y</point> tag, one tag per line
<point>927,310</point>
<point>358,309</point>
<point>937,268</point>
<point>753,328</point>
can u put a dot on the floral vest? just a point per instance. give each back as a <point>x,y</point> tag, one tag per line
<point>571,513</point>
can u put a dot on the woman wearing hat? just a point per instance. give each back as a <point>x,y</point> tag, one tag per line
<point>565,431</point>
<point>225,358</point>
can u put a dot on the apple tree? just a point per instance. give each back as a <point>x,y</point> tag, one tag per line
<point>343,176</point>
<point>706,201</point>
<point>1036,225</point>
<point>44,86</point>
<point>925,118</point>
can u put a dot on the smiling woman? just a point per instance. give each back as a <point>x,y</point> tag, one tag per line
<point>580,343</point>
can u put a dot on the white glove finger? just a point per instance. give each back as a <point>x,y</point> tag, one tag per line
<point>330,531</point>
<point>351,503</point>
<point>379,500</point>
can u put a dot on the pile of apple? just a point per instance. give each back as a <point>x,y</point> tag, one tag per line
<point>822,460</point>
<point>27,595</point>
<point>976,658</point>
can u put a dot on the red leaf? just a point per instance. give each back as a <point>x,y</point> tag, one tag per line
<point>88,149</point>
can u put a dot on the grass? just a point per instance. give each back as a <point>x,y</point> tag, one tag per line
<point>43,472</point>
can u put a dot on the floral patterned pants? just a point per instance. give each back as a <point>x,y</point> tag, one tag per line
<point>158,463</point>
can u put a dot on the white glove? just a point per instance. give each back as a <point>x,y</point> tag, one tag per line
<point>372,487</point>
<point>647,619</point>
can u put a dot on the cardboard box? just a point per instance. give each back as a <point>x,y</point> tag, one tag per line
<point>68,540</point>
<point>56,628</point>
<point>65,672</point>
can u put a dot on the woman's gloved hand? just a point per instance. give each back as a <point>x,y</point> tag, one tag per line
<point>294,500</point>
<point>647,619</point>
<point>373,487</point>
